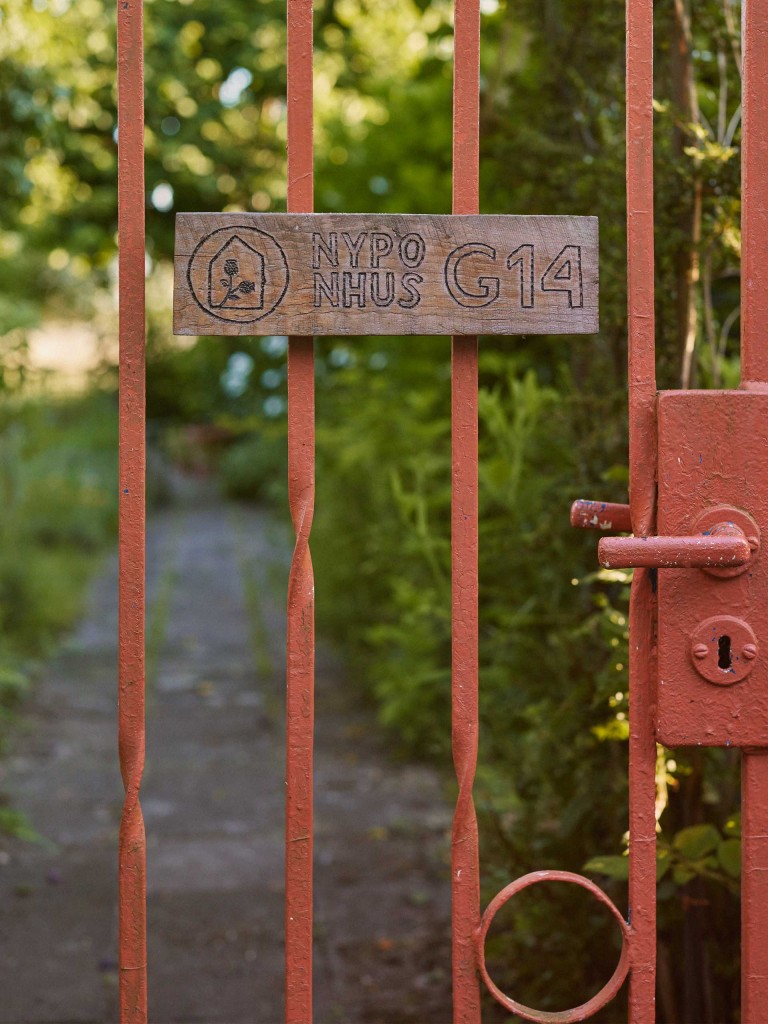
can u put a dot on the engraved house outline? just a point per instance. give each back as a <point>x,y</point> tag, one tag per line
<point>257,263</point>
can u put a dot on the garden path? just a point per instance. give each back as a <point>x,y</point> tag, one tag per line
<point>213,803</point>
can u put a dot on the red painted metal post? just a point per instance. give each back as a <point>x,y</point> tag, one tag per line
<point>642,471</point>
<point>642,802</point>
<point>754,886</point>
<point>132,849</point>
<point>640,266</point>
<point>754,195</point>
<point>301,586</point>
<point>754,376</point>
<point>465,858</point>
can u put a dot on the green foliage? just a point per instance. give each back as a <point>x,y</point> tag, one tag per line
<point>696,851</point>
<point>13,685</point>
<point>255,468</point>
<point>13,823</point>
<point>58,508</point>
<point>609,865</point>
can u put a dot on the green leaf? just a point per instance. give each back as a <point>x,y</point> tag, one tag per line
<point>681,875</point>
<point>14,823</point>
<point>617,472</point>
<point>612,730</point>
<point>729,856</point>
<point>663,863</point>
<point>732,827</point>
<point>696,841</point>
<point>613,867</point>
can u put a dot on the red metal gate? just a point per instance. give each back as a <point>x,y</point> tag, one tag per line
<point>721,545</point>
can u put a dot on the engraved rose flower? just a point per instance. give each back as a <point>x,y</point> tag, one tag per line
<point>234,291</point>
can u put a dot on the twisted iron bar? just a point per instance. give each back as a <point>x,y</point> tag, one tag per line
<point>299,732</point>
<point>132,873</point>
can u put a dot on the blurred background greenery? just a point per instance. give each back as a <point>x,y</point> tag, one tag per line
<point>552,781</point>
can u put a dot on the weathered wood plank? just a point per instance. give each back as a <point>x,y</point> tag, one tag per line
<point>274,273</point>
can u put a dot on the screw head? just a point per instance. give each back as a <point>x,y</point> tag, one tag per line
<point>749,651</point>
<point>700,651</point>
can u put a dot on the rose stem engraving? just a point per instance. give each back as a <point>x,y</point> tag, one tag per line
<point>232,269</point>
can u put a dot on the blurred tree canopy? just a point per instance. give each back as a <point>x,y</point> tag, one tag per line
<point>551,789</point>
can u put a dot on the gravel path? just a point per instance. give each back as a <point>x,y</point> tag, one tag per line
<point>213,803</point>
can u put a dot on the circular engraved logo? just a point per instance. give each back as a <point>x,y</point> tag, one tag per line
<point>238,273</point>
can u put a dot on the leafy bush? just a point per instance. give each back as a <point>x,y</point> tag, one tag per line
<point>255,468</point>
<point>58,509</point>
<point>548,670</point>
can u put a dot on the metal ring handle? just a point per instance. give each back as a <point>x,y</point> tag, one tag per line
<point>578,1013</point>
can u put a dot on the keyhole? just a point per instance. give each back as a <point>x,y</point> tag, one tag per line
<point>724,658</point>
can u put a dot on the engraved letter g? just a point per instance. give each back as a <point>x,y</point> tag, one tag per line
<point>488,287</point>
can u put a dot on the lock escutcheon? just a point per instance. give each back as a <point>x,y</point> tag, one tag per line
<point>723,649</point>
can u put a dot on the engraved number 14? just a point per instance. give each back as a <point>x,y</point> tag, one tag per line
<point>562,275</point>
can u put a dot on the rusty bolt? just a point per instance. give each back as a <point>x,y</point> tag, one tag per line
<point>749,651</point>
<point>700,651</point>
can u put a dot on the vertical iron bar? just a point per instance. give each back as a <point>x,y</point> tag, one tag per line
<point>301,496</point>
<point>754,194</point>
<point>642,802</point>
<point>754,886</point>
<point>642,474</point>
<point>131,677</point>
<point>640,266</point>
<point>465,861</point>
<point>754,374</point>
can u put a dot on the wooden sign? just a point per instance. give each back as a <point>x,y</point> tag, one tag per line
<point>279,273</point>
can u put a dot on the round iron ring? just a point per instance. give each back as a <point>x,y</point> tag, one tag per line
<point>578,1013</point>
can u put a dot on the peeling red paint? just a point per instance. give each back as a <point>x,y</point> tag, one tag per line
<point>601,515</point>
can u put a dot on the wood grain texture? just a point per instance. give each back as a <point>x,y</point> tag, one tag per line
<point>306,274</point>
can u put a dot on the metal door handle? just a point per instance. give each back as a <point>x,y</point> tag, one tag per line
<point>601,515</point>
<point>724,546</point>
